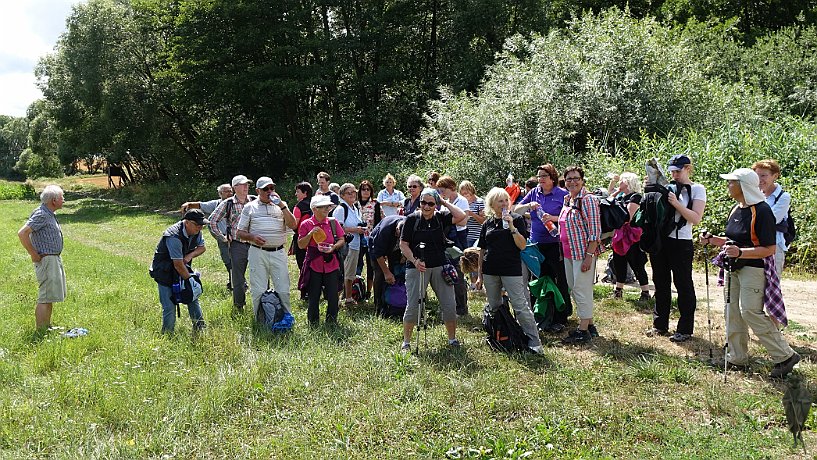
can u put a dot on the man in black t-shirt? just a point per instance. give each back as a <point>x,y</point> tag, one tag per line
<point>424,265</point>
<point>749,245</point>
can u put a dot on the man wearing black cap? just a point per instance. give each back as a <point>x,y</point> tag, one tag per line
<point>180,244</point>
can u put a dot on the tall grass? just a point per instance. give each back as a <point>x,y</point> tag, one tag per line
<point>125,391</point>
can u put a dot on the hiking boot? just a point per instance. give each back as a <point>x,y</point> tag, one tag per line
<point>537,350</point>
<point>783,369</point>
<point>454,343</point>
<point>577,337</point>
<point>645,296</point>
<point>555,328</point>
<point>593,331</point>
<point>405,348</point>
<point>655,332</point>
<point>719,363</point>
<point>618,293</point>
<point>680,338</point>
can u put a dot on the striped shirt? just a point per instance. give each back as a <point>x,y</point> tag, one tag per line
<point>474,227</point>
<point>579,223</point>
<point>265,220</point>
<point>219,215</point>
<point>46,235</point>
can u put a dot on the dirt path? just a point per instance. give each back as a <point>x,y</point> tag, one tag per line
<point>798,295</point>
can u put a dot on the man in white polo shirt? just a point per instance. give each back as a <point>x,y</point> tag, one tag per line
<point>265,224</point>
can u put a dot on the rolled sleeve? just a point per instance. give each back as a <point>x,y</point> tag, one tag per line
<point>592,215</point>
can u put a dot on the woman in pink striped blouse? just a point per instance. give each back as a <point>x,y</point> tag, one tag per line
<point>580,232</point>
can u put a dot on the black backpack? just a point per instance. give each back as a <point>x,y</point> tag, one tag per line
<point>656,217</point>
<point>786,226</point>
<point>611,213</point>
<point>504,332</point>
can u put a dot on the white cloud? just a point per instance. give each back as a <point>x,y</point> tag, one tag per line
<point>28,30</point>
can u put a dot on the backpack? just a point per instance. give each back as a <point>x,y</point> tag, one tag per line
<point>395,299</point>
<point>504,332</point>
<point>273,314</point>
<point>611,213</point>
<point>358,289</point>
<point>656,217</point>
<point>786,226</point>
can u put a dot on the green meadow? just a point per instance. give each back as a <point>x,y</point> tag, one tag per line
<point>236,391</point>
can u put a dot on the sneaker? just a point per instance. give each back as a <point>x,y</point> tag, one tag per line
<point>655,332</point>
<point>783,369</point>
<point>680,338</point>
<point>405,348</point>
<point>618,293</point>
<point>538,350</point>
<point>592,330</point>
<point>645,296</point>
<point>454,343</point>
<point>577,337</point>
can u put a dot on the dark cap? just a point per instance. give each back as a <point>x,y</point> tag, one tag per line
<point>678,162</point>
<point>197,216</point>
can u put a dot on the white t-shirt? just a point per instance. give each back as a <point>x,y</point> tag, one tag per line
<point>698,193</point>
<point>461,203</point>
<point>349,221</point>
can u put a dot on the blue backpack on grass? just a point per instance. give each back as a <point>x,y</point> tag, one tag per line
<point>273,314</point>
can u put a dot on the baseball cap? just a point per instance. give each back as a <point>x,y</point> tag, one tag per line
<point>263,181</point>
<point>197,216</point>
<point>678,162</point>
<point>240,179</point>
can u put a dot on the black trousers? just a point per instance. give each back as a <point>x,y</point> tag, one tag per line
<point>554,267</point>
<point>637,260</point>
<point>378,286</point>
<point>326,283</point>
<point>673,264</point>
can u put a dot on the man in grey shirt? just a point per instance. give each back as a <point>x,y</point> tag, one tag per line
<point>41,236</point>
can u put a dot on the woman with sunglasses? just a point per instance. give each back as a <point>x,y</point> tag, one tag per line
<point>414,185</point>
<point>422,243</point>
<point>579,234</point>
<point>370,212</point>
<point>321,237</point>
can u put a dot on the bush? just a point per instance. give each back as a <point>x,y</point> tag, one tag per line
<point>17,191</point>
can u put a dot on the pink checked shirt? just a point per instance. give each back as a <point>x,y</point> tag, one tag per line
<point>580,222</point>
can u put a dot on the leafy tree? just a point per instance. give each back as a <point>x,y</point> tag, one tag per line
<point>13,140</point>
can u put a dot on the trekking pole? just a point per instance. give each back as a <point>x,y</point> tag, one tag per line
<point>421,302</point>
<point>728,266</point>
<point>708,308</point>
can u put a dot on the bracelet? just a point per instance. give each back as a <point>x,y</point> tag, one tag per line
<point>589,254</point>
<point>740,253</point>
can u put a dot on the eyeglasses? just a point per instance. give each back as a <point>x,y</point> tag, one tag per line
<point>323,206</point>
<point>268,188</point>
<point>414,186</point>
<point>572,179</point>
<point>430,204</point>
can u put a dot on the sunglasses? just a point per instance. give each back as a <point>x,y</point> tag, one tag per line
<point>572,179</point>
<point>268,188</point>
<point>430,204</point>
<point>414,186</point>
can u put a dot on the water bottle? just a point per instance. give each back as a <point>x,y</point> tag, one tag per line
<point>552,228</point>
<point>504,222</point>
<point>276,200</point>
<point>177,291</point>
<point>509,179</point>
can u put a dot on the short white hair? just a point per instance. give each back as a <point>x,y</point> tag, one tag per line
<point>50,193</point>
<point>414,179</point>
<point>224,188</point>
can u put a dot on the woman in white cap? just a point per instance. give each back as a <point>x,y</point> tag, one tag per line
<point>748,256</point>
<point>322,238</point>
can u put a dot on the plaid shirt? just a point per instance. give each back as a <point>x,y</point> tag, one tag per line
<point>581,223</point>
<point>220,213</point>
<point>772,294</point>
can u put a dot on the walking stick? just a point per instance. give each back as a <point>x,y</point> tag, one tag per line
<point>421,314</point>
<point>728,267</point>
<point>708,308</point>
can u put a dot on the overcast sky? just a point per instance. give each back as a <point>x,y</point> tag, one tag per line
<point>28,30</point>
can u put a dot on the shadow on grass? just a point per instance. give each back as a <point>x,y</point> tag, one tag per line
<point>96,211</point>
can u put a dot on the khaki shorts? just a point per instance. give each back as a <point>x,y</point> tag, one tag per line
<point>350,264</point>
<point>51,277</point>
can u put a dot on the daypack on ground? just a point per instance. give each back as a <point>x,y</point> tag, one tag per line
<point>272,313</point>
<point>394,302</point>
<point>656,217</point>
<point>504,332</point>
<point>787,225</point>
<point>358,289</point>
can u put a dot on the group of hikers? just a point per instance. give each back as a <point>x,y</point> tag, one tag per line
<point>352,244</point>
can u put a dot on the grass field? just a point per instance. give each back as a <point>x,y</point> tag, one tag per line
<point>125,391</point>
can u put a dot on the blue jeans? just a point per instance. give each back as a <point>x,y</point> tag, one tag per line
<point>169,310</point>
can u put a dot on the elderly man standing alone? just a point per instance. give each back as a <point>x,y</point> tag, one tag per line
<point>264,224</point>
<point>41,236</point>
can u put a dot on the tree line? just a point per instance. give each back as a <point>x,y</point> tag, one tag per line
<point>181,87</point>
